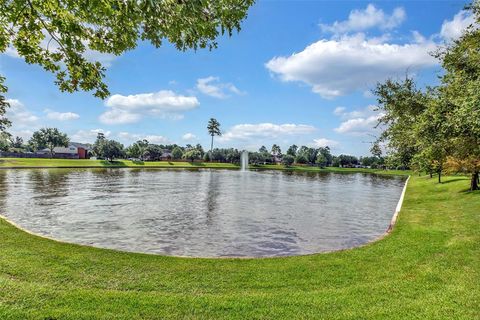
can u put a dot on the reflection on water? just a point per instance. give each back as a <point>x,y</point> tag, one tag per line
<point>206,213</point>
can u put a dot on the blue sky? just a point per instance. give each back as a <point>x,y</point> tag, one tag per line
<point>298,72</point>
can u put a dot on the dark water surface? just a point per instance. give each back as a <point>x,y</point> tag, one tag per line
<point>204,213</point>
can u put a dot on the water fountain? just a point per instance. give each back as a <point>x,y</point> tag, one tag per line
<point>244,160</point>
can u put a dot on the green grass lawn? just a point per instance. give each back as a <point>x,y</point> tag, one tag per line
<point>65,163</point>
<point>427,268</point>
<point>40,162</point>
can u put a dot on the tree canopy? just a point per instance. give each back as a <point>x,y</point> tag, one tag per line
<point>49,138</point>
<point>61,35</point>
<point>438,128</point>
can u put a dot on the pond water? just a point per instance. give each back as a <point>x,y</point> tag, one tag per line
<point>201,213</point>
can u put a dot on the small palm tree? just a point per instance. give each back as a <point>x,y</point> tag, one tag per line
<point>213,128</point>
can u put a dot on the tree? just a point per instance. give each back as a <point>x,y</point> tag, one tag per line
<point>17,143</point>
<point>288,160</point>
<point>192,155</point>
<point>4,122</point>
<point>276,151</point>
<point>177,153</point>
<point>213,128</point>
<point>98,144</point>
<point>59,35</point>
<point>431,132</point>
<point>376,150</point>
<point>321,160</point>
<point>110,149</point>
<point>292,150</point>
<point>461,97</point>
<point>153,152</point>
<point>49,138</point>
<point>200,148</point>
<point>5,141</point>
<point>400,104</point>
<point>301,158</point>
<point>325,151</point>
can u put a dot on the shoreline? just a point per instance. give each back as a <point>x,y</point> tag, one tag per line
<point>387,232</point>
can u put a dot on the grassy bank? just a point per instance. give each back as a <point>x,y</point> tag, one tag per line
<point>68,163</point>
<point>74,163</point>
<point>427,268</point>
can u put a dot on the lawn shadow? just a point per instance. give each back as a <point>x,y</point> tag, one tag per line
<point>455,180</point>
<point>107,163</point>
<point>197,164</point>
<point>138,162</point>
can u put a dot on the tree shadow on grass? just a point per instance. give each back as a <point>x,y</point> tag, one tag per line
<point>107,163</point>
<point>455,180</point>
<point>197,164</point>
<point>470,193</point>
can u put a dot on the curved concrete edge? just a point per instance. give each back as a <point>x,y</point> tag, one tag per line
<point>398,208</point>
<point>387,232</point>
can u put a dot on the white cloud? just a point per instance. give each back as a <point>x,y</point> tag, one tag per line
<point>189,136</point>
<point>370,17</point>
<point>61,116</point>
<point>131,108</point>
<point>264,130</point>
<point>129,138</point>
<point>20,116</point>
<point>357,122</point>
<point>453,29</point>
<point>339,66</point>
<point>211,86</point>
<point>118,116</point>
<point>324,142</point>
<point>24,134</point>
<point>359,126</point>
<point>344,114</point>
<point>88,136</point>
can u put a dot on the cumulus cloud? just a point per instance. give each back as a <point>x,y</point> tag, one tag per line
<point>343,113</point>
<point>211,86</point>
<point>340,66</point>
<point>358,122</point>
<point>189,136</point>
<point>265,130</point>
<point>370,17</point>
<point>128,138</point>
<point>453,29</point>
<point>88,136</point>
<point>61,116</point>
<point>20,116</point>
<point>324,142</point>
<point>131,108</point>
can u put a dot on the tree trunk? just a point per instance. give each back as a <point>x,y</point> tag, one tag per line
<point>211,145</point>
<point>474,182</point>
<point>439,176</point>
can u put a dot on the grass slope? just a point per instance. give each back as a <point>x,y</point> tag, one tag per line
<point>428,268</point>
<point>40,162</point>
<point>69,163</point>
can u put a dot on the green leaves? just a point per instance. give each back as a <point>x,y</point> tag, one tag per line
<point>57,35</point>
<point>48,138</point>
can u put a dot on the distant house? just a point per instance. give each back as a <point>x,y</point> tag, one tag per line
<point>74,150</point>
<point>166,155</point>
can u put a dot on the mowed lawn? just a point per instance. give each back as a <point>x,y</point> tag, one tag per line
<point>427,268</point>
<point>73,163</point>
<point>41,162</point>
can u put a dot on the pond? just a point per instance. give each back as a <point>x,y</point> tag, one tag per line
<point>201,213</point>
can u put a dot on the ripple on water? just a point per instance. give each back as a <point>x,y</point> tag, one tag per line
<point>208,213</point>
